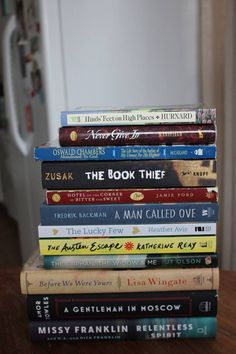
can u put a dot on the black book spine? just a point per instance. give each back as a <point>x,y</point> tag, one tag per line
<point>125,305</point>
<point>128,174</point>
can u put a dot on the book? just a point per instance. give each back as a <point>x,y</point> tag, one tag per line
<point>52,152</point>
<point>179,260</point>
<point>127,245</point>
<point>119,329</point>
<point>125,305</point>
<point>183,134</point>
<point>34,279</point>
<point>128,174</point>
<point>79,231</point>
<point>123,214</point>
<point>109,196</point>
<point>139,116</point>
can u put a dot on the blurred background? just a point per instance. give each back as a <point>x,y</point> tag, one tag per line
<point>60,54</point>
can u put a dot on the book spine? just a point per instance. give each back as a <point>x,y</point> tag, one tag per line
<point>60,281</point>
<point>128,174</point>
<point>120,329</point>
<point>151,152</point>
<point>181,260</point>
<point>128,305</point>
<point>139,117</point>
<point>127,245</point>
<point>109,196</point>
<point>123,214</point>
<point>78,231</point>
<point>138,135</point>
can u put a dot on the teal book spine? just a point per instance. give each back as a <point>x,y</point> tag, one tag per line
<point>120,329</point>
<point>204,260</point>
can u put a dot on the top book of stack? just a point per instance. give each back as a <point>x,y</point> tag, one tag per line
<point>139,116</point>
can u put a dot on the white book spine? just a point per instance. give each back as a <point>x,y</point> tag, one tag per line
<point>128,118</point>
<point>174,229</point>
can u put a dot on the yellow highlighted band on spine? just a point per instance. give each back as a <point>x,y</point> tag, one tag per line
<point>128,245</point>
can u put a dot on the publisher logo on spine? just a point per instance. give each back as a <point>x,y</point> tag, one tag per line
<point>73,136</point>
<point>137,196</point>
<point>56,197</point>
<point>198,152</point>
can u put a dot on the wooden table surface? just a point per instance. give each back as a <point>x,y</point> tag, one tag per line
<point>14,337</point>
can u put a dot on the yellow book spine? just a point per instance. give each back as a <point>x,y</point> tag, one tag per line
<point>128,245</point>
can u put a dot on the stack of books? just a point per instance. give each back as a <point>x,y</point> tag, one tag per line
<point>127,237</point>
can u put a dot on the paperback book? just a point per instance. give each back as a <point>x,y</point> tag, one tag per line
<point>132,261</point>
<point>139,116</point>
<point>127,245</point>
<point>52,152</point>
<point>79,231</point>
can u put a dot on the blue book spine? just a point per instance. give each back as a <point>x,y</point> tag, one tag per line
<point>137,328</point>
<point>127,213</point>
<point>151,152</point>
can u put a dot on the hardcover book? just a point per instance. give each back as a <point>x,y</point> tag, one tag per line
<point>128,174</point>
<point>126,305</point>
<point>119,329</point>
<point>193,134</point>
<point>179,260</point>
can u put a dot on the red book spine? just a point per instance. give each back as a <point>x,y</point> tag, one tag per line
<point>109,196</point>
<point>194,134</point>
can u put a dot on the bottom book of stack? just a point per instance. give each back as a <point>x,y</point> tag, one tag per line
<point>75,304</point>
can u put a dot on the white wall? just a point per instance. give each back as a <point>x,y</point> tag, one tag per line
<point>121,52</point>
<point>130,52</point>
